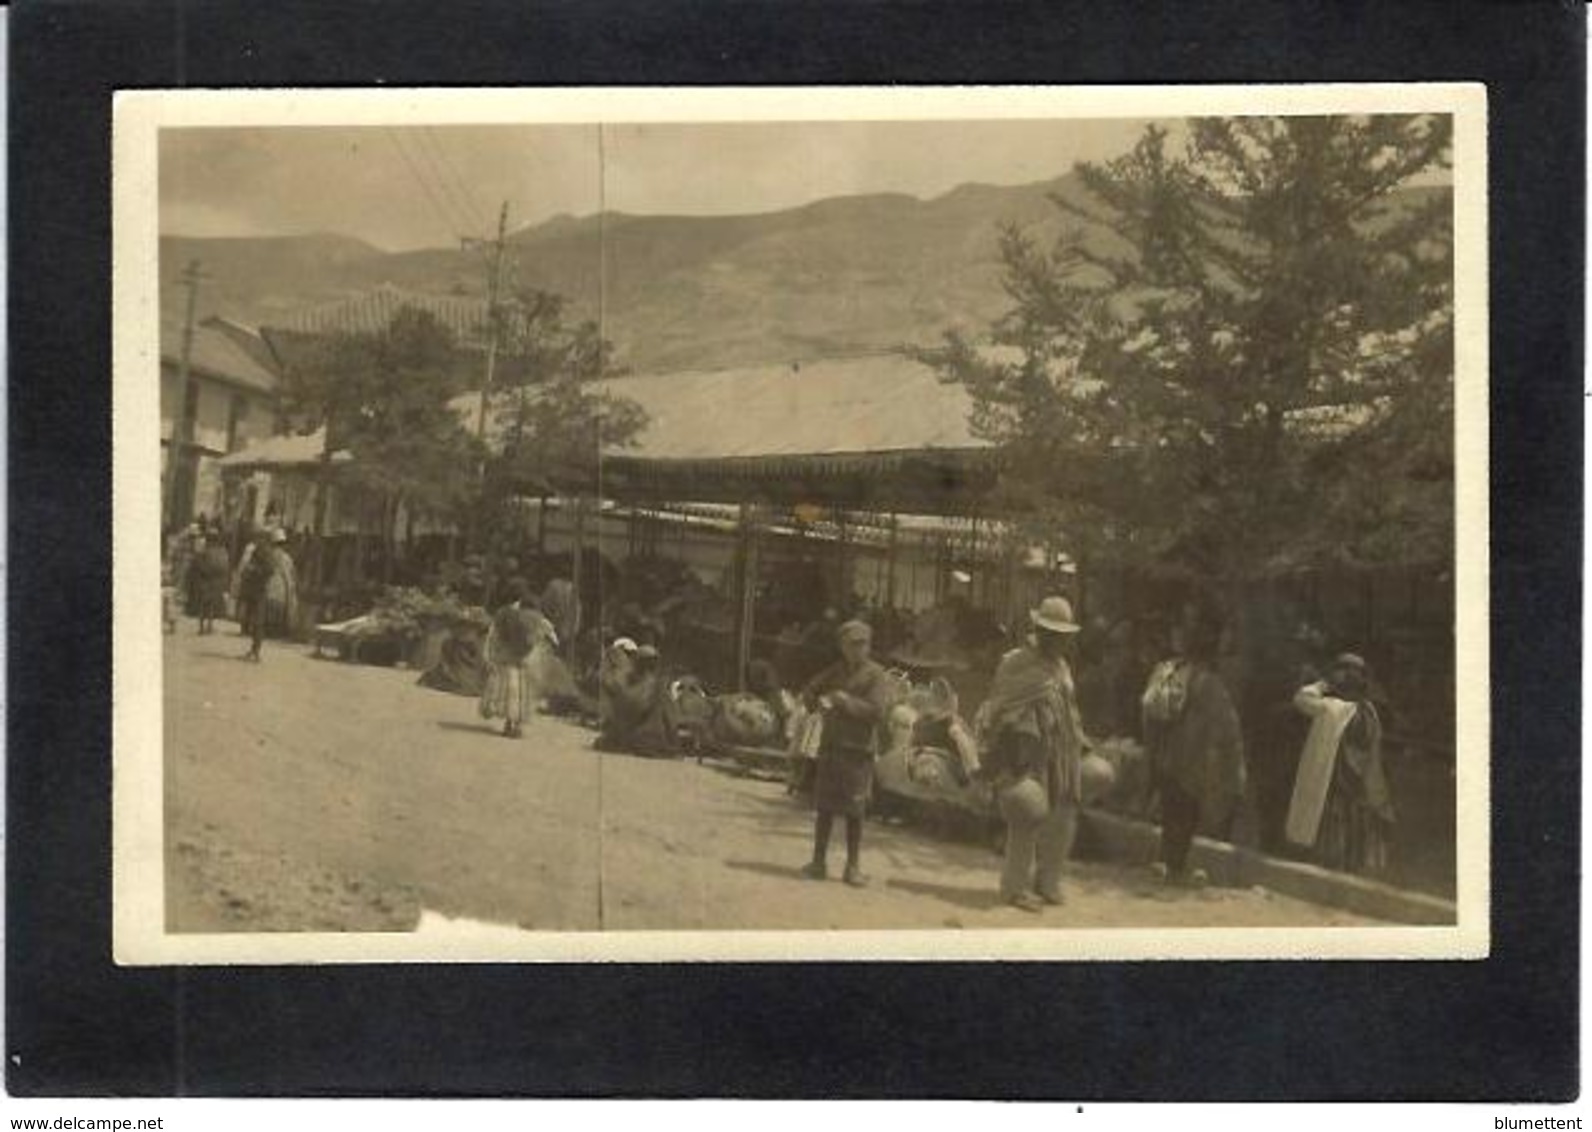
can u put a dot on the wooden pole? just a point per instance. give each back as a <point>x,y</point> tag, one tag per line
<point>183,445</point>
<point>493,296</point>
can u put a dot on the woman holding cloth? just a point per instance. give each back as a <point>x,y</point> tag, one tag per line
<point>853,694</point>
<point>1035,743</point>
<point>1342,807</point>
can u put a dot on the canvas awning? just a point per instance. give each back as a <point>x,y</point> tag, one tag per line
<point>276,453</point>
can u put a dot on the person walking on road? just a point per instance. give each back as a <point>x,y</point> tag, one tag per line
<point>853,695</point>
<point>1034,743</point>
<point>208,571</point>
<point>512,638</point>
<point>267,589</point>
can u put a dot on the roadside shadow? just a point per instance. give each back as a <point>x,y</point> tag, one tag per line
<point>765,868</point>
<point>209,654</point>
<point>977,899</point>
<point>739,771</point>
<point>782,800</point>
<point>482,728</point>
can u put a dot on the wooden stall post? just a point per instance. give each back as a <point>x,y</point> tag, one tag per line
<point>745,613</point>
<point>890,565</point>
<point>1009,600</point>
<point>973,566</point>
<point>912,574</point>
<point>843,584</point>
<point>577,560</point>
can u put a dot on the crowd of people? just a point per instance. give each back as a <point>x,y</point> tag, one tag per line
<point>1150,712</point>
<point>201,578</point>
<point>1034,744</point>
<point>1035,748</point>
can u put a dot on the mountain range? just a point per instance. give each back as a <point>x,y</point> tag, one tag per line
<point>842,275</point>
<point>838,276</point>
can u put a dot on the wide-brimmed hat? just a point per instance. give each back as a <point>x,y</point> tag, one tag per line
<point>1352,661</point>
<point>1054,614</point>
<point>625,644</point>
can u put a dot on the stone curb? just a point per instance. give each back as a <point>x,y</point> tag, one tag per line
<point>1125,839</point>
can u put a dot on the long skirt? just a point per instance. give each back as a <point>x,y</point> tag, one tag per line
<point>212,601</point>
<point>509,694</point>
<point>1354,838</point>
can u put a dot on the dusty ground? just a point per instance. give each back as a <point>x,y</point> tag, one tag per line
<point>307,794</point>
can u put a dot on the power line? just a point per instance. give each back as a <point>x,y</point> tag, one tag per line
<point>443,211</point>
<point>452,177</point>
<point>440,177</point>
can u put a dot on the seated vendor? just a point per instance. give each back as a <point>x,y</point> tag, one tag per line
<point>762,680</point>
<point>632,715</point>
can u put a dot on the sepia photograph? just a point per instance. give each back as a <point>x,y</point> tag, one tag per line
<point>691,525</point>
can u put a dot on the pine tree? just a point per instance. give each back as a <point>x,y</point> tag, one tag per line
<point>1238,357</point>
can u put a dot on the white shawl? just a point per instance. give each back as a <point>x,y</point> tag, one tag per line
<point>1330,717</point>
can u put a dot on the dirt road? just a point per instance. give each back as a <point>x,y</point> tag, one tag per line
<point>307,794</point>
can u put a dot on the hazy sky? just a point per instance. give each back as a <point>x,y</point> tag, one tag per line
<point>416,187</point>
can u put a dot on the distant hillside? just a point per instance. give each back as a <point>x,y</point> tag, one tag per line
<point>254,277</point>
<point>835,276</point>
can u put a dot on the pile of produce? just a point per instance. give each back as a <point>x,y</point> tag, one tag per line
<point>410,613</point>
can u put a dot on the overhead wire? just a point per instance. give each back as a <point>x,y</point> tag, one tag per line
<point>451,179</point>
<point>444,211</point>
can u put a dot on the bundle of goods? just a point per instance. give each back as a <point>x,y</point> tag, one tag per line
<point>745,720</point>
<point>692,711</point>
<point>750,729</point>
<point>1117,778</point>
<point>409,613</point>
<point>931,757</point>
<point>363,640</point>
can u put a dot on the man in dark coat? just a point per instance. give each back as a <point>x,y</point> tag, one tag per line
<point>853,694</point>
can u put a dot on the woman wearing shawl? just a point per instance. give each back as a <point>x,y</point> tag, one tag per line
<point>1035,744</point>
<point>1196,746</point>
<point>561,605</point>
<point>511,641</point>
<point>853,694</point>
<point>281,590</point>
<point>1342,806</point>
<point>208,573</point>
<point>267,589</point>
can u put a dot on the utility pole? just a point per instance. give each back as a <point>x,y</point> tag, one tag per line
<point>182,426</point>
<point>493,297</point>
